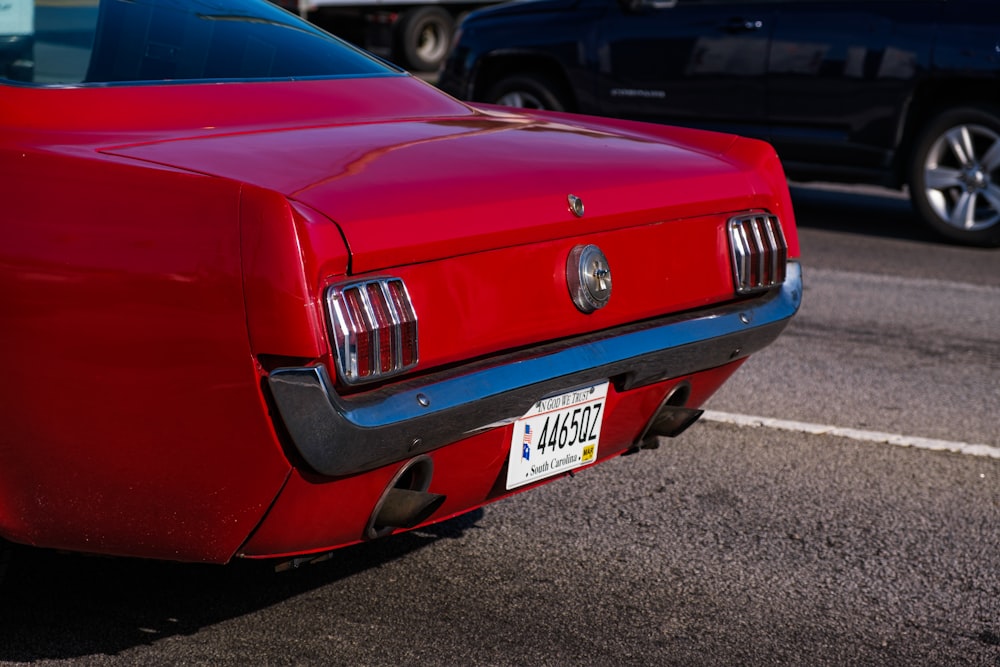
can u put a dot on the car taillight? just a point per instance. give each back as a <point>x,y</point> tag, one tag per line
<point>759,252</point>
<point>374,329</point>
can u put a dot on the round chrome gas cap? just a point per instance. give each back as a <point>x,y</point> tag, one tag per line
<point>588,276</point>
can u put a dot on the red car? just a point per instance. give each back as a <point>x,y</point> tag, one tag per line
<point>264,295</point>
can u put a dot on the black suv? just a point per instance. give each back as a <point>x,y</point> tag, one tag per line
<point>892,92</point>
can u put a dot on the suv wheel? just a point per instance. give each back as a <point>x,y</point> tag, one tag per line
<point>527,91</point>
<point>955,175</point>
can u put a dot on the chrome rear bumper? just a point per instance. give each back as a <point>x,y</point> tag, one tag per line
<point>339,436</point>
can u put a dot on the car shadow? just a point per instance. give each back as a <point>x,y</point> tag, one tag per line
<point>64,606</point>
<point>859,210</point>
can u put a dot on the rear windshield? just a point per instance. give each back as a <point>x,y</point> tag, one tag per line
<point>68,42</point>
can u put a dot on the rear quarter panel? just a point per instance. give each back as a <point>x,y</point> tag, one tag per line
<point>133,422</point>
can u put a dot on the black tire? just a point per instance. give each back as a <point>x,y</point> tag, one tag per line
<point>955,175</point>
<point>423,38</point>
<point>527,91</point>
<point>6,555</point>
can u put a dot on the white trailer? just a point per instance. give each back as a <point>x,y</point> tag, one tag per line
<point>17,35</point>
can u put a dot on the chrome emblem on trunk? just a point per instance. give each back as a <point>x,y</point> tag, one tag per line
<point>575,205</point>
<point>588,276</point>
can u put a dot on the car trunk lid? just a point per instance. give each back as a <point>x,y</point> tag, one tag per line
<point>418,190</point>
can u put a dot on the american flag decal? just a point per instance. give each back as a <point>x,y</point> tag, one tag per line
<point>526,443</point>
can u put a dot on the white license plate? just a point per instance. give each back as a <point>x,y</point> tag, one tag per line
<point>557,434</point>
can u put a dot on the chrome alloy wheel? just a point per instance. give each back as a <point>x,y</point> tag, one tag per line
<point>527,90</point>
<point>521,98</point>
<point>961,177</point>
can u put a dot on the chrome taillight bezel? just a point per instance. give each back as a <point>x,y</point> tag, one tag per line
<point>373,329</point>
<point>759,252</point>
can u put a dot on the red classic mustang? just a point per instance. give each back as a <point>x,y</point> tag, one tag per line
<point>264,295</point>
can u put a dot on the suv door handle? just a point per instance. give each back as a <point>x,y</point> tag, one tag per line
<point>743,25</point>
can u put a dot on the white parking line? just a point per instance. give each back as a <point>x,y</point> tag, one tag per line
<point>854,434</point>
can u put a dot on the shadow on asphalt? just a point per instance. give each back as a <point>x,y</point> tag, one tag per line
<point>861,211</point>
<point>55,606</point>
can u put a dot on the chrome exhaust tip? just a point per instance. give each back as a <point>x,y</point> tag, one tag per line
<point>406,502</point>
<point>671,419</point>
<point>405,508</point>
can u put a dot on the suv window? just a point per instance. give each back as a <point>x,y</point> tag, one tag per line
<point>60,42</point>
